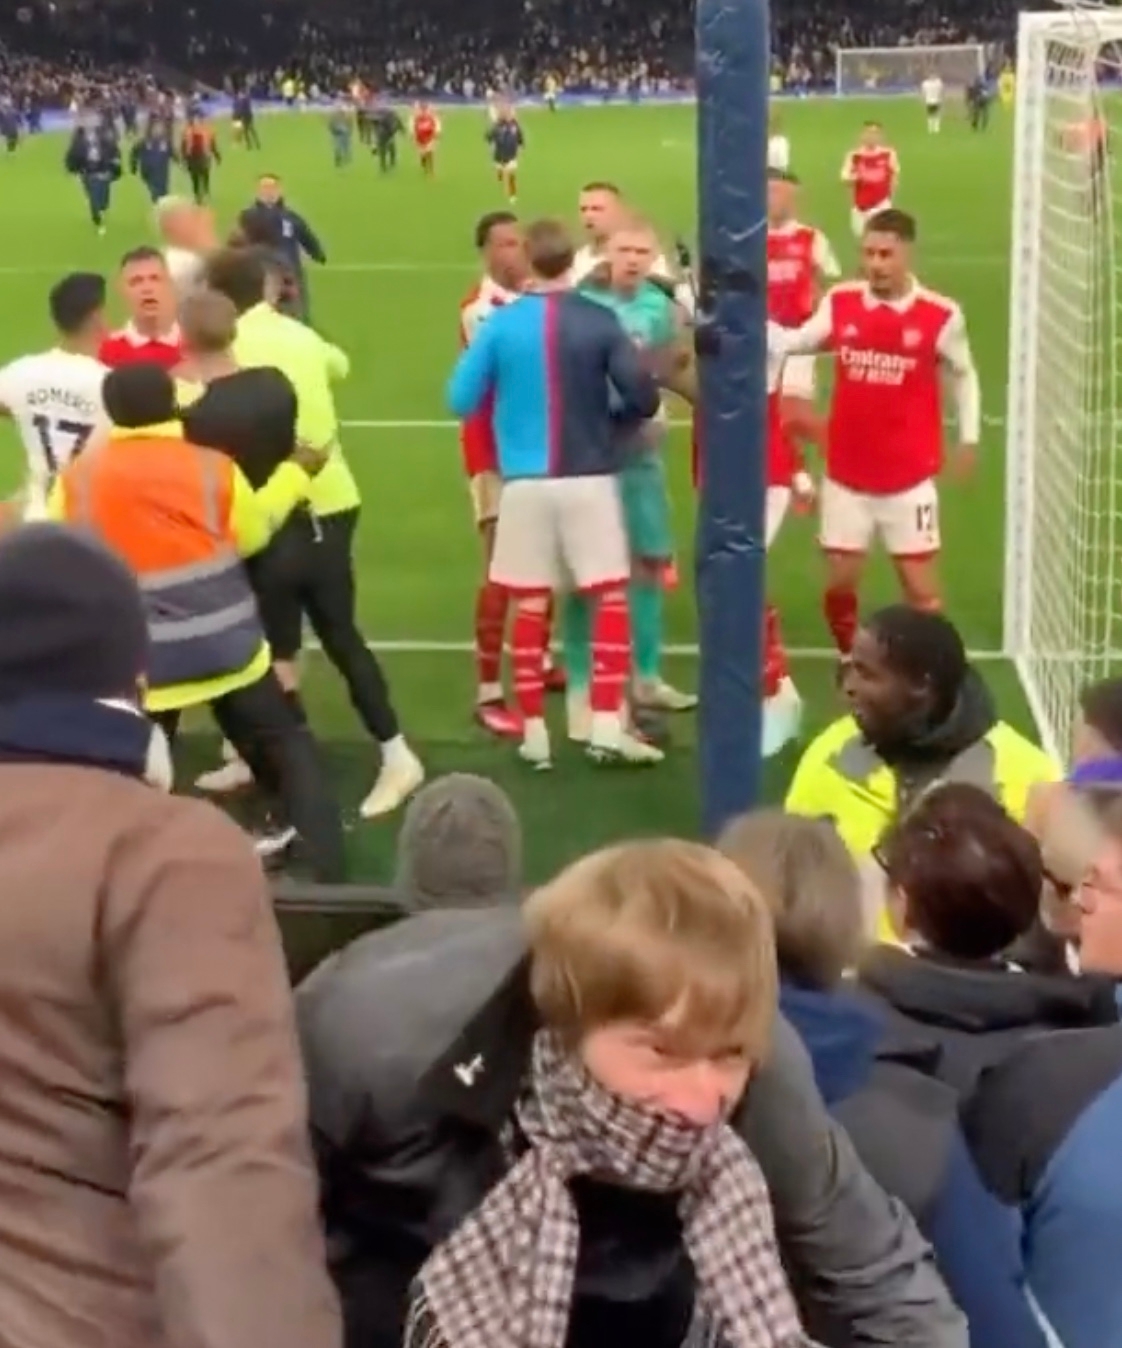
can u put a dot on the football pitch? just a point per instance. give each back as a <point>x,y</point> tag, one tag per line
<point>400,258</point>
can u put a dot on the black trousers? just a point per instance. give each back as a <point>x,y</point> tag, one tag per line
<point>387,154</point>
<point>264,728</point>
<point>198,170</point>
<point>308,571</point>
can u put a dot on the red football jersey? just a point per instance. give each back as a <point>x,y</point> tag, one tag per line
<point>792,273</point>
<point>129,347</point>
<point>425,128</point>
<point>873,174</point>
<point>477,435</point>
<point>885,431</point>
<point>783,457</point>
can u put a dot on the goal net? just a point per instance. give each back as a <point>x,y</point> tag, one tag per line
<point>1063,581</point>
<point>897,70</point>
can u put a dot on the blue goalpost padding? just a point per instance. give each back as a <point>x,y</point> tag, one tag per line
<point>733,67</point>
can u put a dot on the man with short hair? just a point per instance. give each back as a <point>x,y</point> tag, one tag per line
<point>152,333</point>
<point>654,964</point>
<point>324,585</point>
<point>158,1184</point>
<point>297,237</point>
<point>184,517</point>
<point>55,397</point>
<point>563,375</point>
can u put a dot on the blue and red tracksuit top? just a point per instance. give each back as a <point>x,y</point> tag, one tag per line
<point>564,377</point>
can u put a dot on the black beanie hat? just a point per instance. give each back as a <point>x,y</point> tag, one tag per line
<point>72,619</point>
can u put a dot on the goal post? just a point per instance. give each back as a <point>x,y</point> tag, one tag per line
<point>899,70</point>
<point>1063,581</point>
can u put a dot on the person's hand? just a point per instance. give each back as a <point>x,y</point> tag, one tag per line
<point>803,492</point>
<point>311,459</point>
<point>963,461</point>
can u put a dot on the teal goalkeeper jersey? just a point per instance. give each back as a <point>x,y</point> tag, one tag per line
<point>649,318</point>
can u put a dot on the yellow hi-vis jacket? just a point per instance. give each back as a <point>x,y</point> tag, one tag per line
<point>840,777</point>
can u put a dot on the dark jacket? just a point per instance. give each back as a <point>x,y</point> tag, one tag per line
<point>905,1128</point>
<point>1045,1129</point>
<point>94,154</point>
<point>416,1041</point>
<point>296,235</point>
<point>969,1017</point>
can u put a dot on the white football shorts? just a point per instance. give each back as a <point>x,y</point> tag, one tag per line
<point>557,533</point>
<point>859,219</point>
<point>908,522</point>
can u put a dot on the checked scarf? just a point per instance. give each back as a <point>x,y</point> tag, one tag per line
<point>504,1278</point>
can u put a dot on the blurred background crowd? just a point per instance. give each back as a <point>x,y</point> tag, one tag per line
<point>53,52</point>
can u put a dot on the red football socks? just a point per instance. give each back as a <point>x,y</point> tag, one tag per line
<point>776,668</point>
<point>490,627</point>
<point>527,642</point>
<point>611,652</point>
<point>840,607</point>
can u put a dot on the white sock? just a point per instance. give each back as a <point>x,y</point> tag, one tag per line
<point>395,751</point>
<point>535,737</point>
<point>490,692</point>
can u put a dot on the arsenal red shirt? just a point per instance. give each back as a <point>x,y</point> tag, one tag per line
<point>477,436</point>
<point>798,257</point>
<point>130,347</point>
<point>873,175</point>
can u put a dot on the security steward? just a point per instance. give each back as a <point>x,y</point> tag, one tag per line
<point>919,714</point>
<point>184,518</point>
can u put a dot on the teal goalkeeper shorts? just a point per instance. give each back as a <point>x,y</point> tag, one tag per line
<point>646,507</point>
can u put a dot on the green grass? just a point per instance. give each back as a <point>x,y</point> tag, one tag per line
<point>401,258</point>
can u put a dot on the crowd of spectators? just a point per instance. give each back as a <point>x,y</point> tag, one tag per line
<point>57,51</point>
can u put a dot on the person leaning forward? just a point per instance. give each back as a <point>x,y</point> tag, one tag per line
<point>184,517</point>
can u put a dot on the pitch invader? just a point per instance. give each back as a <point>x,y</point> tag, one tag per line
<point>872,170</point>
<point>425,129</point>
<point>94,158</point>
<point>931,91</point>
<point>893,341</point>
<point>506,140</point>
<point>55,397</point>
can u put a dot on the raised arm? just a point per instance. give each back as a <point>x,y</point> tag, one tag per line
<point>635,384</point>
<point>857,1261</point>
<point>815,335</point>
<point>474,374</point>
<point>958,360</point>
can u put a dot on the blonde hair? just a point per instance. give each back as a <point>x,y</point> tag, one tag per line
<point>812,886</point>
<point>664,933</point>
<point>209,321</point>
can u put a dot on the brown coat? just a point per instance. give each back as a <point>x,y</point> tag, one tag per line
<point>156,1187</point>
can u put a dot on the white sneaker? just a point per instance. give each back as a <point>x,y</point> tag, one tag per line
<point>231,776</point>
<point>665,696</point>
<point>401,774</point>
<point>578,711</point>
<point>782,719</point>
<point>273,842</point>
<point>535,748</point>
<point>611,743</point>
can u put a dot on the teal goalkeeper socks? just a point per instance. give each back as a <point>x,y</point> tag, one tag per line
<point>576,641</point>
<point>645,599</point>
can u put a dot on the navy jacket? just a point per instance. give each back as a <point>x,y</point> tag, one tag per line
<point>94,154</point>
<point>152,158</point>
<point>1046,1131</point>
<point>563,375</point>
<point>905,1128</point>
<point>296,236</point>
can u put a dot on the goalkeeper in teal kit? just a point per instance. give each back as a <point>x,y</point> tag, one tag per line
<point>649,316</point>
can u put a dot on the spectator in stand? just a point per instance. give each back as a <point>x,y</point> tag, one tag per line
<point>418,1059</point>
<point>1044,1127</point>
<point>964,884</point>
<point>904,1125</point>
<point>919,713</point>
<point>157,1179</point>
<point>460,846</point>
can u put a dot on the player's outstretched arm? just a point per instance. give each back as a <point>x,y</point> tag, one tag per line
<point>473,376</point>
<point>308,239</point>
<point>636,386</point>
<point>815,335</point>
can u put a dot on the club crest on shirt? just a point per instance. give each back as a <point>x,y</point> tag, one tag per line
<point>912,337</point>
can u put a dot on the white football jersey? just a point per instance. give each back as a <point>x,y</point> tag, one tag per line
<point>55,400</point>
<point>932,89</point>
<point>779,154</point>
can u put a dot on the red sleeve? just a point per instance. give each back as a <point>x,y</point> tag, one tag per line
<point>109,352</point>
<point>477,432</point>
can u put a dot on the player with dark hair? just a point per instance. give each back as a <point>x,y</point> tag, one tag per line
<point>152,333</point>
<point>54,397</point>
<point>507,141</point>
<point>94,158</point>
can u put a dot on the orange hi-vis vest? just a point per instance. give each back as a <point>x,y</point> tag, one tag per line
<point>164,506</point>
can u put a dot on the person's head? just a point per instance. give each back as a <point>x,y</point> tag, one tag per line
<point>499,240</point>
<point>886,252</point>
<point>906,673</point>
<point>147,288</point>
<point>549,251</point>
<point>240,274</point>
<point>208,323</point>
<point>872,135</point>
<point>138,395</point>
<point>655,962</point>
<point>782,196</point>
<point>460,845</point>
<point>963,877</point>
<point>808,879</point>
<point>73,618</point>
<point>270,190</point>
<point>175,219</point>
<point>1098,733</point>
<point>631,252</point>
<point>77,305</point>
<point>600,207</point>
<point>1099,899</point>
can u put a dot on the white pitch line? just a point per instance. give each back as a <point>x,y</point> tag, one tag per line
<point>691,651</point>
<point>379,425</point>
